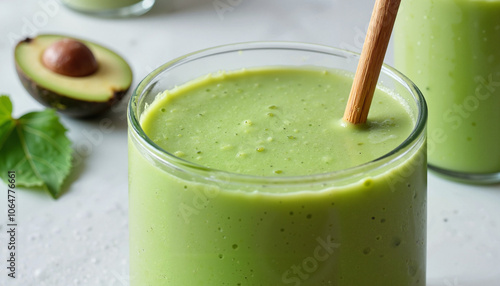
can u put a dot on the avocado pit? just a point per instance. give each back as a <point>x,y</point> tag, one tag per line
<point>70,57</point>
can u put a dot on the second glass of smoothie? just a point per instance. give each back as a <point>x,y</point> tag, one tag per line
<point>242,172</point>
<point>450,49</point>
<point>110,8</point>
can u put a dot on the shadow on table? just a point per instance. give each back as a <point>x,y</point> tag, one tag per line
<point>457,281</point>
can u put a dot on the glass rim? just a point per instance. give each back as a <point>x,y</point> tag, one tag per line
<point>417,131</point>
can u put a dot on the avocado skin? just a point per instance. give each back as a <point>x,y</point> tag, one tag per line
<point>66,105</point>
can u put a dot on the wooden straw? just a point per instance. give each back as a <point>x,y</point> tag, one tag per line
<point>370,62</point>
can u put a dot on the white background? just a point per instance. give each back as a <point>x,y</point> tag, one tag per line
<point>82,238</point>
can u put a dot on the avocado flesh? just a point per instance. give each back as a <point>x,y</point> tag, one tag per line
<point>75,96</point>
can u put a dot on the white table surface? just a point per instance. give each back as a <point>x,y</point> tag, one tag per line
<point>82,238</point>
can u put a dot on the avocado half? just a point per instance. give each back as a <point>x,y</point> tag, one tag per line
<point>84,96</point>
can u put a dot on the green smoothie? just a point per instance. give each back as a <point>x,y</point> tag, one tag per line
<point>450,49</point>
<point>98,5</point>
<point>272,123</point>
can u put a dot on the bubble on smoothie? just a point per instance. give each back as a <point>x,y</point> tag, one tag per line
<point>412,267</point>
<point>226,147</point>
<point>179,153</point>
<point>368,182</point>
<point>241,155</point>
<point>367,250</point>
<point>396,241</point>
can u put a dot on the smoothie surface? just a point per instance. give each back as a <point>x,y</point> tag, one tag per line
<point>273,122</point>
<point>187,229</point>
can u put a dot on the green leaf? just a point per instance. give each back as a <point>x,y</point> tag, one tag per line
<point>5,107</point>
<point>6,122</point>
<point>35,146</point>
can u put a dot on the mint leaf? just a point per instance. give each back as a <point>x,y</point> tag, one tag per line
<point>35,146</point>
